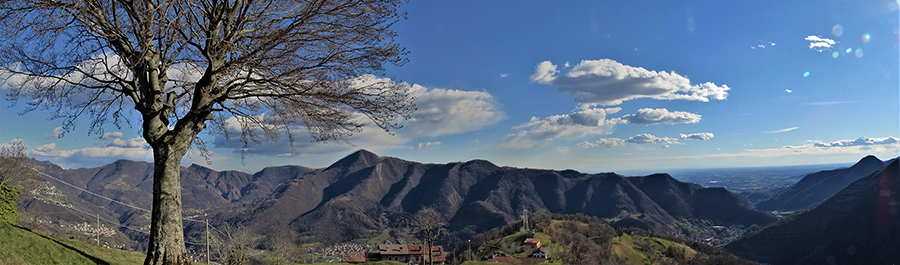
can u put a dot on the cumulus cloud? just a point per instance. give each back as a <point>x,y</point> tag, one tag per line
<point>449,111</point>
<point>424,145</point>
<point>861,145</point>
<point>783,130</point>
<point>112,135</point>
<point>56,133</point>
<point>370,138</point>
<point>439,112</point>
<point>602,142</point>
<point>645,138</point>
<point>656,116</point>
<point>588,121</point>
<point>608,82</point>
<point>861,141</point>
<point>696,136</point>
<point>819,44</point>
<point>133,142</point>
<point>89,155</point>
<point>502,75</point>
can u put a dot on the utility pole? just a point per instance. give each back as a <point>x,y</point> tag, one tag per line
<point>525,217</point>
<point>207,241</point>
<point>98,229</point>
<point>470,250</point>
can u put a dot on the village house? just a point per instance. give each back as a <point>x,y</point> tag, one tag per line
<point>404,253</point>
<point>394,252</point>
<point>541,252</point>
<point>533,243</point>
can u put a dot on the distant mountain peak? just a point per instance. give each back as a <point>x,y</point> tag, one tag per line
<point>360,159</point>
<point>869,159</point>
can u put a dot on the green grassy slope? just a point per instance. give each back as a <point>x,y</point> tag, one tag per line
<point>22,246</point>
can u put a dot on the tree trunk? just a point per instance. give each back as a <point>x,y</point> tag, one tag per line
<point>166,232</point>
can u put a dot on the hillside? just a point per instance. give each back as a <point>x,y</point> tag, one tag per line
<point>816,187</point>
<point>860,224</point>
<point>23,246</point>
<point>581,239</point>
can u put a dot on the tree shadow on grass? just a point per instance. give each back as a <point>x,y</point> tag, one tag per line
<point>82,253</point>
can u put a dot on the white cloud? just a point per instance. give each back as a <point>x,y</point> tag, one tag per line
<point>607,82</point>
<point>133,142</point>
<point>589,121</point>
<point>861,141</point>
<point>788,90</point>
<point>449,111</point>
<point>819,44</point>
<point>650,139</point>
<point>783,130</point>
<point>662,115</point>
<point>502,75</point>
<point>371,138</point>
<point>602,142</point>
<point>111,135</point>
<point>697,136</point>
<point>424,145</point>
<point>439,112</point>
<point>89,155</point>
<point>861,145</point>
<point>56,133</point>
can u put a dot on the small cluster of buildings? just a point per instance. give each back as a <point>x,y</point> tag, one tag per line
<point>403,253</point>
<point>539,254</point>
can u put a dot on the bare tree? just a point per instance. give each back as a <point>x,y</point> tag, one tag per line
<point>15,166</point>
<point>270,68</point>
<point>233,244</point>
<point>284,244</point>
<point>431,224</point>
<point>15,170</point>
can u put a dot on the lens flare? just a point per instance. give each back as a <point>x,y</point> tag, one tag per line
<point>835,54</point>
<point>837,30</point>
<point>859,53</point>
<point>866,37</point>
<point>849,50</point>
<point>806,74</point>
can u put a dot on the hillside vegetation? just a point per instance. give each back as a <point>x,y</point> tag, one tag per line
<point>581,239</point>
<point>23,246</point>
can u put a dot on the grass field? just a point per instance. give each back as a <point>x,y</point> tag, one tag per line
<point>22,246</point>
<point>646,250</point>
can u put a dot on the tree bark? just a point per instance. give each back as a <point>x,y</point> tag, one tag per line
<point>166,244</point>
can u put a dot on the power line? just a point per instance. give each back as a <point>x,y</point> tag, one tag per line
<point>89,192</point>
<point>104,197</point>
<point>122,203</point>
<point>103,219</point>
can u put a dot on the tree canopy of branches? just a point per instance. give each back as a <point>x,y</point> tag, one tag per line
<point>267,68</point>
<point>431,224</point>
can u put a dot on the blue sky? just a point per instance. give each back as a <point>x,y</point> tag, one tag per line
<point>600,87</point>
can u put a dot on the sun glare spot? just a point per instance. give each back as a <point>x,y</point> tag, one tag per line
<point>866,37</point>
<point>859,53</point>
<point>805,74</point>
<point>837,30</point>
<point>835,54</point>
<point>849,50</point>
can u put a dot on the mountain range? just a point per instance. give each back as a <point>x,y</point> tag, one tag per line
<point>816,187</point>
<point>860,224</point>
<point>364,194</point>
